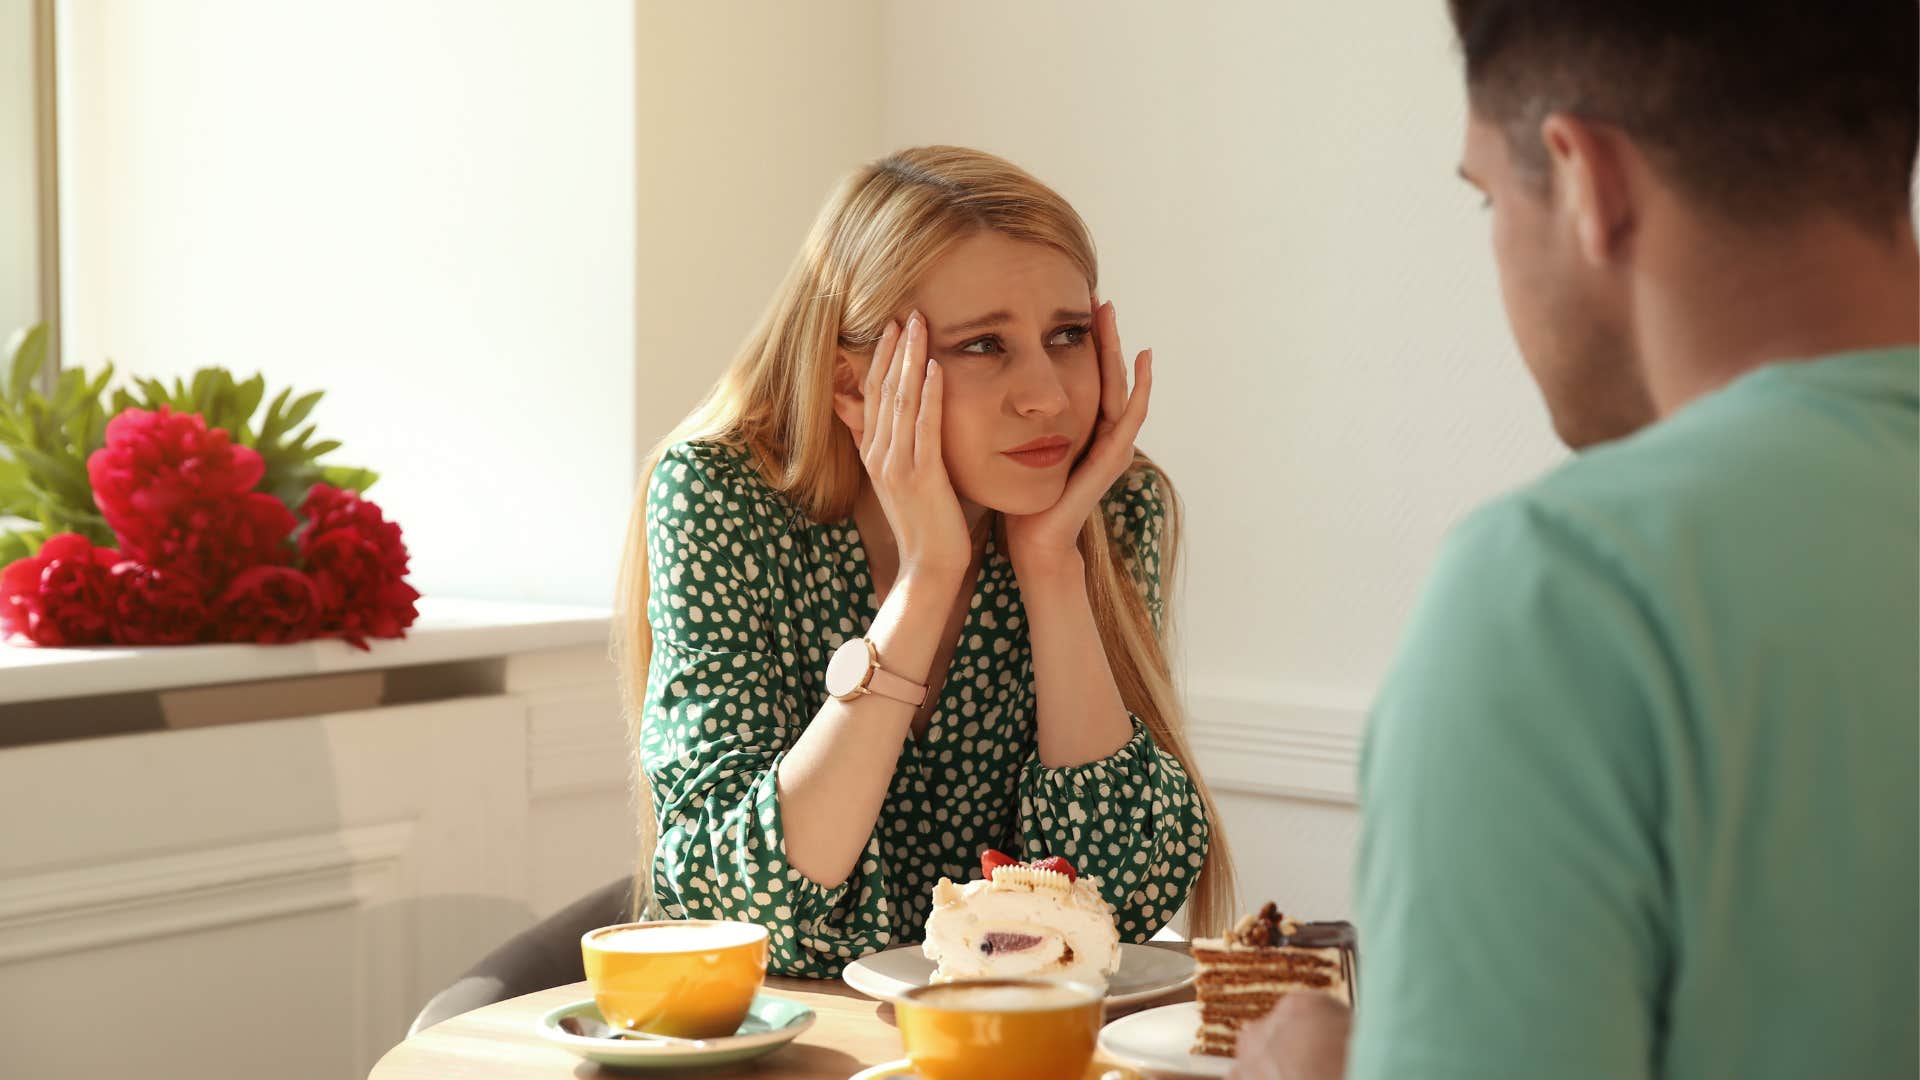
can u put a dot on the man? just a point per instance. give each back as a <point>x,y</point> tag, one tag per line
<point>1639,794</point>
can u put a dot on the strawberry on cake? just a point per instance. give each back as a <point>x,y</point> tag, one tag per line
<point>1022,920</point>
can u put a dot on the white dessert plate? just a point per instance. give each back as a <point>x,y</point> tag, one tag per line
<point>1145,973</point>
<point>1157,1042</point>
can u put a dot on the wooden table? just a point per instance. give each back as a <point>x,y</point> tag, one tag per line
<point>851,1032</point>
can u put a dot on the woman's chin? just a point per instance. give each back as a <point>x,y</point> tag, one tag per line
<point>1020,499</point>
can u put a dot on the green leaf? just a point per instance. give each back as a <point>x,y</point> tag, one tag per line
<point>276,422</point>
<point>323,448</point>
<point>14,493</point>
<point>60,473</point>
<point>349,478</point>
<point>202,398</point>
<point>246,399</point>
<point>22,544</point>
<point>68,391</point>
<point>29,356</point>
<point>302,407</point>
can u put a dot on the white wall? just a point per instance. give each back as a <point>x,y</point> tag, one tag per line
<point>1272,188</point>
<point>19,157</point>
<point>749,112</point>
<point>423,207</point>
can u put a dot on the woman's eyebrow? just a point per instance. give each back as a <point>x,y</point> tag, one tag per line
<point>1001,318</point>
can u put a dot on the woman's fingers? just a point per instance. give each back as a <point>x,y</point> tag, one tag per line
<point>1113,439</point>
<point>926,435</point>
<point>912,378</point>
<point>1135,415</point>
<point>870,388</point>
<point>1113,371</point>
<point>889,384</point>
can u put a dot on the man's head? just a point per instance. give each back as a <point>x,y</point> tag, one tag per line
<point>1591,120</point>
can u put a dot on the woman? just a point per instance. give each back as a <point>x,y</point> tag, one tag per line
<point>903,577</point>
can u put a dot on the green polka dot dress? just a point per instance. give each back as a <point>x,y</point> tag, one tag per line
<point>749,599</point>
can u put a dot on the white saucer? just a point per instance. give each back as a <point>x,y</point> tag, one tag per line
<point>1157,1041</point>
<point>1145,973</point>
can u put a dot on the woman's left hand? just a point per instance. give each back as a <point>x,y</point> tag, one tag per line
<point>1043,542</point>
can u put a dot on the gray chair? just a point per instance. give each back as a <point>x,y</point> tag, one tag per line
<point>546,954</point>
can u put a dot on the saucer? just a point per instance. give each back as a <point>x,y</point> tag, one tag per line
<point>771,1023</point>
<point>1146,973</point>
<point>903,1070</point>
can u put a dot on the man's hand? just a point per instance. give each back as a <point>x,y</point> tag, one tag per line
<point>1303,1038</point>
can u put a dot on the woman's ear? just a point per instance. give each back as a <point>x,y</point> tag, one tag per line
<point>849,400</point>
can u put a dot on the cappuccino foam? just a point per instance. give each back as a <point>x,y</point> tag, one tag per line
<point>678,937</point>
<point>1000,997</point>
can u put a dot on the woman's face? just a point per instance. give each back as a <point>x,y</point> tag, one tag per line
<point>1011,324</point>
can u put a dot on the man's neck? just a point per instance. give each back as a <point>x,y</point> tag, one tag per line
<point>1733,302</point>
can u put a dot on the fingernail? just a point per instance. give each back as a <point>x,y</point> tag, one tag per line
<point>913,320</point>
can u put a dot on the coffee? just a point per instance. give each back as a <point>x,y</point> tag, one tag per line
<point>1003,997</point>
<point>679,937</point>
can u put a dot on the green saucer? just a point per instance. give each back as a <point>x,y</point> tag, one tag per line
<point>771,1023</point>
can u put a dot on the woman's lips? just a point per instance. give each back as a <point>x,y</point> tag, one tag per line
<point>1043,453</point>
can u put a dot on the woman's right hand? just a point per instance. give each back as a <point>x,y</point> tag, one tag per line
<point>900,444</point>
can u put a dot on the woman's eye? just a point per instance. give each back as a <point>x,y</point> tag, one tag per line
<point>985,346</point>
<point>1069,336</point>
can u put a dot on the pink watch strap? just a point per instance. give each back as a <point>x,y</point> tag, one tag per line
<point>898,687</point>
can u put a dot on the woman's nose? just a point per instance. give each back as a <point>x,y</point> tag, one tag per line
<point>1037,389</point>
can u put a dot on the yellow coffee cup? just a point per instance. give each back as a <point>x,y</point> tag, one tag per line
<point>694,978</point>
<point>1009,1029</point>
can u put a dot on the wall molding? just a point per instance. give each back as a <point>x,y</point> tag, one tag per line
<point>1278,742</point>
<point>89,907</point>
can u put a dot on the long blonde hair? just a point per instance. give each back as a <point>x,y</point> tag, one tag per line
<point>883,227</point>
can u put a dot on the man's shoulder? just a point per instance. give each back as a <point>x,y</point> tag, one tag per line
<point>1727,462</point>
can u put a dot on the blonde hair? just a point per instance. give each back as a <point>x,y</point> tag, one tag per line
<point>883,227</point>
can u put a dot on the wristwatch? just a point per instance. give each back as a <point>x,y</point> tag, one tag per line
<point>855,671</point>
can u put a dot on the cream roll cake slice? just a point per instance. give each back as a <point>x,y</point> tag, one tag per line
<point>1022,920</point>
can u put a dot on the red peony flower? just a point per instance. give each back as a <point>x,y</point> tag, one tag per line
<point>211,542</point>
<point>62,596</point>
<point>358,560</point>
<point>327,508</point>
<point>157,607</point>
<point>269,605</point>
<point>362,594</point>
<point>156,463</point>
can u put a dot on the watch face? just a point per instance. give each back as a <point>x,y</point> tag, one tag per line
<point>848,668</point>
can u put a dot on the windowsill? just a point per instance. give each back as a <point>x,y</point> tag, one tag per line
<point>447,631</point>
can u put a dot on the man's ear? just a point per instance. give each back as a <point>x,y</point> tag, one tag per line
<point>849,399</point>
<point>1592,179</point>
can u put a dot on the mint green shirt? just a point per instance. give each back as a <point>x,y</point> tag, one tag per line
<point>1640,793</point>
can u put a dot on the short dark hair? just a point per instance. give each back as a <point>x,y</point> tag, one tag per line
<point>1760,108</point>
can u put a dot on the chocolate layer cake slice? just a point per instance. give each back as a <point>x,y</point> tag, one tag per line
<point>1266,956</point>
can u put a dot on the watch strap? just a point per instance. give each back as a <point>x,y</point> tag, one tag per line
<point>898,687</point>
